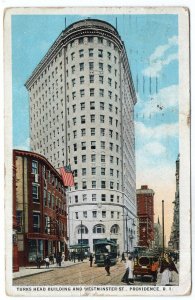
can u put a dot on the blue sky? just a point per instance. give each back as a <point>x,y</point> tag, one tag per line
<point>152,47</point>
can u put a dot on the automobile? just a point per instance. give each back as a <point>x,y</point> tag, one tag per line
<point>142,265</point>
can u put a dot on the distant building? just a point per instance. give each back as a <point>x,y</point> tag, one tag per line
<point>145,214</point>
<point>157,234</point>
<point>40,201</point>
<point>82,98</point>
<point>174,237</point>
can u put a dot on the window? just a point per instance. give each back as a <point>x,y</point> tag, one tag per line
<point>109,55</point>
<point>111,146</point>
<point>34,167</point>
<point>90,39</point>
<point>93,157</point>
<point>19,220</point>
<point>91,78</point>
<point>81,40</point>
<point>100,40</point>
<point>73,95</point>
<point>82,93</point>
<point>102,131</point>
<point>76,215</point>
<point>110,107</point>
<point>101,118</point>
<point>101,66</point>
<point>81,53</point>
<point>72,55</point>
<point>109,68</point>
<point>115,72</point>
<point>92,131</point>
<point>110,120</point>
<point>83,158</point>
<point>101,79</point>
<point>103,145</point>
<point>99,228</point>
<point>103,171</point>
<point>90,52</point>
<point>84,171</point>
<point>110,133</point>
<point>117,148</point>
<point>115,228</point>
<point>75,160</point>
<point>118,199</point>
<point>93,197</point>
<point>103,197</point>
<point>85,214</point>
<point>101,105</point>
<point>117,161</point>
<point>111,159</point>
<point>74,133</point>
<point>75,147</point>
<point>118,214</point>
<point>83,145</point>
<point>109,81</point>
<point>110,94</point>
<point>76,198</point>
<point>75,173</point>
<point>82,119</point>
<point>91,92</point>
<point>94,214</point>
<point>101,93</point>
<point>92,118</point>
<point>103,158</point>
<point>74,120</point>
<point>92,105</point>
<point>93,171</point>
<point>84,185</point>
<point>83,132</point>
<point>36,221</point>
<point>82,105</point>
<point>111,198</point>
<point>111,172</point>
<point>100,53</point>
<point>103,214</point>
<point>35,193</point>
<point>76,186</point>
<point>93,145</point>
<point>93,184</point>
<point>91,66</point>
<point>112,214</point>
<point>84,197</point>
<point>103,184</point>
<point>81,65</point>
<point>73,69</point>
<point>117,186</point>
<point>111,185</point>
<point>81,79</point>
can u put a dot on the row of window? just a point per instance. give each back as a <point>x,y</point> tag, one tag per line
<point>99,228</point>
<point>92,94</point>
<point>46,174</point>
<point>93,197</point>
<point>91,39</point>
<point>94,172</point>
<point>93,159</point>
<point>82,66</point>
<point>84,145</point>
<point>104,214</point>
<point>90,53</point>
<point>93,185</point>
<point>82,80</point>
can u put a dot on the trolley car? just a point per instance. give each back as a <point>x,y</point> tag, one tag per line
<point>103,248</point>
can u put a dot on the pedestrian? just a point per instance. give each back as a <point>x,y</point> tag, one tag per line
<point>125,277</point>
<point>123,257</point>
<point>107,264</point>
<point>167,266</point>
<point>154,269</point>
<point>74,255</point>
<point>38,262</point>
<point>51,259</point>
<point>59,259</point>
<point>63,257</point>
<point>47,262</point>
<point>130,267</point>
<point>91,259</point>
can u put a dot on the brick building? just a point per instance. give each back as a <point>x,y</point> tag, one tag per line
<point>145,214</point>
<point>40,201</point>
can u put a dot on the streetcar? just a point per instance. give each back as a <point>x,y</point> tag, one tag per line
<point>103,248</point>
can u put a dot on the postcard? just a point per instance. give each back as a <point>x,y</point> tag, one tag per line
<point>97,118</point>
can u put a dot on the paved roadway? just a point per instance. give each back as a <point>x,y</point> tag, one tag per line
<point>81,274</point>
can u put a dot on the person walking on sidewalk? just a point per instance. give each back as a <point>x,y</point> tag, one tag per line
<point>107,264</point>
<point>130,267</point>
<point>91,259</point>
<point>47,262</point>
<point>154,269</point>
<point>38,262</point>
<point>167,266</point>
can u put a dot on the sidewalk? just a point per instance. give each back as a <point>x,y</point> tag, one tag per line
<point>29,271</point>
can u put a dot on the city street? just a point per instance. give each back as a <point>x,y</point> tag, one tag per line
<point>81,274</point>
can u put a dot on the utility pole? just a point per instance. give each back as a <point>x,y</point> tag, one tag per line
<point>163,228</point>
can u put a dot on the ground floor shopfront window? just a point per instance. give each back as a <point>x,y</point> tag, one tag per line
<point>35,248</point>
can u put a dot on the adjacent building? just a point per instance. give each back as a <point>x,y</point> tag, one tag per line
<point>145,214</point>
<point>174,237</point>
<point>82,101</point>
<point>40,203</point>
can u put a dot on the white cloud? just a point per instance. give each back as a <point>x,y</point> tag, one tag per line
<point>166,99</point>
<point>155,148</point>
<point>24,146</point>
<point>160,58</point>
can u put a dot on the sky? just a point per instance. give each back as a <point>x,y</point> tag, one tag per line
<point>151,43</point>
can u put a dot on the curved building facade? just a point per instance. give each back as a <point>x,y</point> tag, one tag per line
<point>82,113</point>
